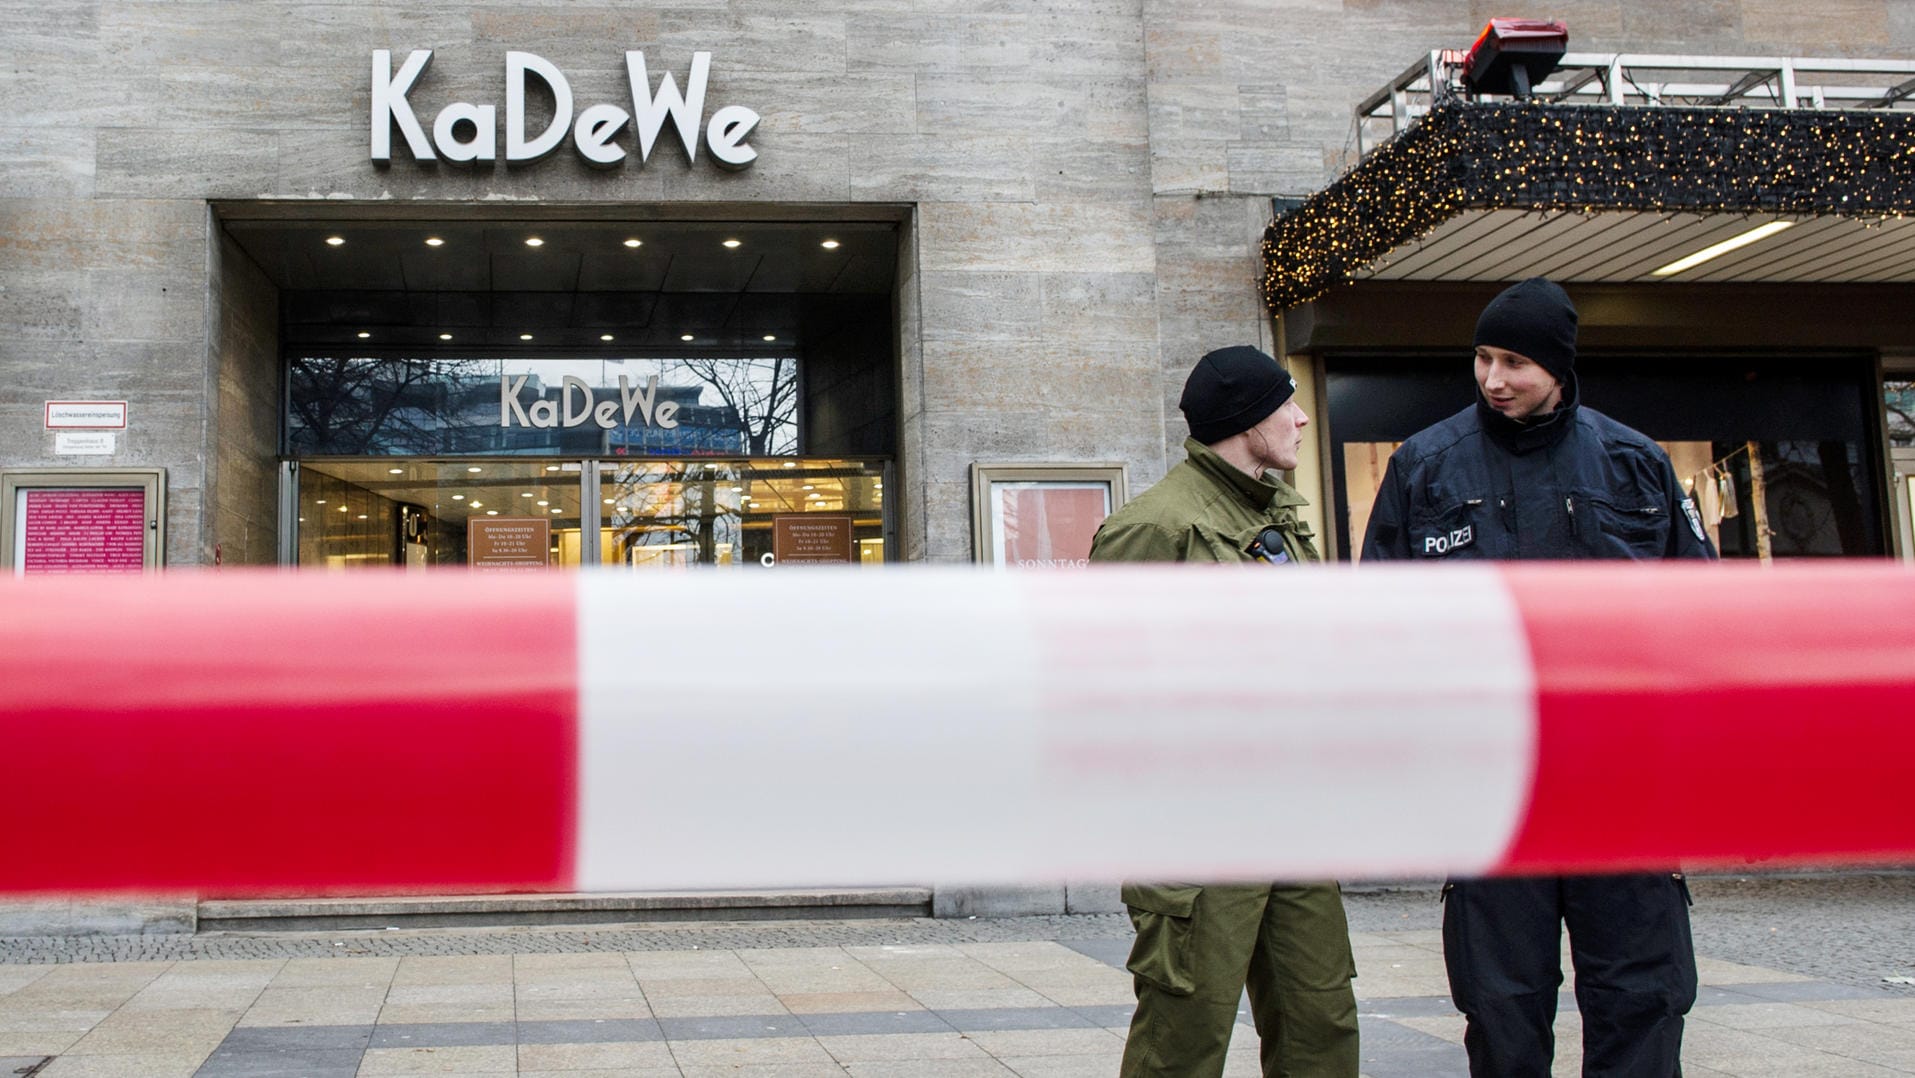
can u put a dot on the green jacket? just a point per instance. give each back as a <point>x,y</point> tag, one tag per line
<point>1204,510</point>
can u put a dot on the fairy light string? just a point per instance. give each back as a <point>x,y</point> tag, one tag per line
<point>1577,158</point>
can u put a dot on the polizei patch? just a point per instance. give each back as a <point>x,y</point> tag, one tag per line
<point>1443,544</point>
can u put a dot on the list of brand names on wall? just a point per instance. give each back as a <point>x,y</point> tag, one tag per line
<point>83,531</point>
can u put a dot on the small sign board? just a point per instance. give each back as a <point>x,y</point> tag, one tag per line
<point>811,538</point>
<point>86,415</point>
<point>505,544</point>
<point>82,530</point>
<point>85,444</point>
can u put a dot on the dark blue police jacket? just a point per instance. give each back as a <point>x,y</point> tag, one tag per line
<point>1576,484</point>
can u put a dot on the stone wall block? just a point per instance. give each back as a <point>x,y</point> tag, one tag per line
<point>1112,379</point>
<point>931,168</point>
<point>46,162</point>
<point>906,42</point>
<point>1186,166</point>
<point>965,306</point>
<point>1099,306</point>
<point>1183,46</point>
<point>63,102</point>
<point>1195,109</point>
<point>866,103</point>
<point>1096,170</point>
<point>1044,238</point>
<point>190,34</point>
<point>43,306</point>
<point>1263,113</point>
<point>570,30</point>
<point>144,305</point>
<point>160,162</point>
<point>1073,43</point>
<point>1833,26</point>
<point>812,43</point>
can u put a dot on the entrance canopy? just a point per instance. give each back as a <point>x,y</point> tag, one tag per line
<point>1620,169</point>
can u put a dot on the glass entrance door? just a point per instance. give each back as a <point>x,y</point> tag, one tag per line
<point>522,513</point>
<point>534,513</point>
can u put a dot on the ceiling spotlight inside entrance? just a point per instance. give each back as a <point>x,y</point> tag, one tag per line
<point>534,241</point>
<point>734,244</point>
<point>335,241</point>
<point>769,337</point>
<point>1512,55</point>
<point>363,334</point>
<point>685,337</point>
<point>434,241</point>
<point>634,243</point>
<point>525,336</point>
<point>830,245</point>
<point>445,336</point>
<point>605,336</point>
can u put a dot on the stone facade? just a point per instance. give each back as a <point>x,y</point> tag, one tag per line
<point>1084,184</point>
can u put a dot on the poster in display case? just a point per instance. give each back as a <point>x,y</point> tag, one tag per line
<point>1041,516</point>
<point>82,520</point>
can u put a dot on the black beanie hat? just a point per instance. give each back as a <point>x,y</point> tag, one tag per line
<point>1533,318</point>
<point>1231,390</point>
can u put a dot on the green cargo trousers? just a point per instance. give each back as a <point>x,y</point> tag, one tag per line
<point>1199,947</point>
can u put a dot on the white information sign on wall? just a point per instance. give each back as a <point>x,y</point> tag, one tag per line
<point>86,415</point>
<point>90,444</point>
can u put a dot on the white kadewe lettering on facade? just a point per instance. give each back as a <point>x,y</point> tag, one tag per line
<point>576,405</point>
<point>463,132</point>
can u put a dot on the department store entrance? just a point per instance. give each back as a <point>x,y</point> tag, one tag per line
<point>553,394</point>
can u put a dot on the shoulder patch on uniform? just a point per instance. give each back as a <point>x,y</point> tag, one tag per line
<point>1695,519</point>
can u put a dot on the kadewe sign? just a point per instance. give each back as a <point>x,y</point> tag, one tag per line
<point>465,133</point>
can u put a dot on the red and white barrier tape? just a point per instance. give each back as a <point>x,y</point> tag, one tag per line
<point>273,732</point>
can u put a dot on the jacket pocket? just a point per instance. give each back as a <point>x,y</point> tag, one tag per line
<point>1162,955</point>
<point>1632,529</point>
<point>1451,532</point>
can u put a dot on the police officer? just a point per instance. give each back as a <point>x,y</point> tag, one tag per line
<point>1200,945</point>
<point>1527,472</point>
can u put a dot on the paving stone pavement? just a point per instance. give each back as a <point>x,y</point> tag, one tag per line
<point>1793,974</point>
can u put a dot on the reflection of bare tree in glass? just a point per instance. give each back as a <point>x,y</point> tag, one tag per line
<point>357,405</point>
<point>665,504</point>
<point>763,393</point>
<point>1898,397</point>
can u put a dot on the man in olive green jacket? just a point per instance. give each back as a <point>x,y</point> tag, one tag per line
<point>1199,946</point>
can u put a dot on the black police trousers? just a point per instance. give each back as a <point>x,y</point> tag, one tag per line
<point>1635,971</point>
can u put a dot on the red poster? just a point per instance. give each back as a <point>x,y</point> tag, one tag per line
<point>83,530</point>
<point>1048,525</point>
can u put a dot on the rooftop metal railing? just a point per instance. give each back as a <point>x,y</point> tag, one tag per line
<point>1644,79</point>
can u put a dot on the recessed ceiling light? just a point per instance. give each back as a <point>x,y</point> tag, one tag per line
<point>557,511</point>
<point>434,241</point>
<point>335,241</point>
<point>527,494</point>
<point>363,334</point>
<point>830,245</point>
<point>458,497</point>
<point>492,512</point>
<point>395,471</point>
<point>551,467</point>
<point>605,336</point>
<point>474,468</point>
<point>738,490</point>
<point>685,337</point>
<point>362,516</point>
<point>543,503</point>
<point>525,336</point>
<point>814,495</point>
<point>808,486</point>
<point>770,337</point>
<point>476,504</point>
<point>1718,250</point>
<point>611,501</point>
<point>319,501</point>
<point>634,243</point>
<point>734,244</point>
<point>791,464</point>
<point>343,509</point>
<point>445,336</point>
<point>534,241</point>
